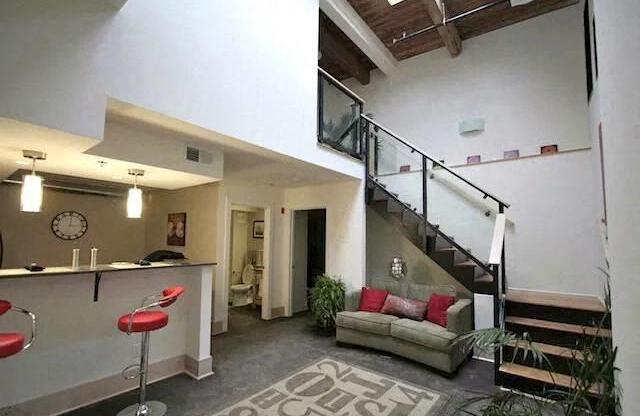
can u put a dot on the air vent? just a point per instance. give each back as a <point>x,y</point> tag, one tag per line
<point>199,156</point>
<point>193,154</point>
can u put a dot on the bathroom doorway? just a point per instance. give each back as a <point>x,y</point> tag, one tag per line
<point>308,257</point>
<point>245,274</point>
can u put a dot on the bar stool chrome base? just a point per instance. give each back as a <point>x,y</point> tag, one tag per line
<point>151,408</point>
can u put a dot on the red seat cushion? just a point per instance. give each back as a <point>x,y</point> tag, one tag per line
<point>4,306</point>
<point>437,309</point>
<point>172,293</point>
<point>371,300</point>
<point>10,344</point>
<point>144,321</point>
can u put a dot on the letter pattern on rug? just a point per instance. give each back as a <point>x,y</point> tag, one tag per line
<point>333,388</point>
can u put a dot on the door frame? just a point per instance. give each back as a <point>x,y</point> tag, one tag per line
<point>231,206</point>
<point>292,216</point>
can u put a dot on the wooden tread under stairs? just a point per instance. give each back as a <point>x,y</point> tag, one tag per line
<point>558,326</point>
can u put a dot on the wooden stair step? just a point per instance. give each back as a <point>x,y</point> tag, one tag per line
<point>548,349</point>
<point>544,376</point>
<point>558,300</point>
<point>559,326</point>
<point>485,278</point>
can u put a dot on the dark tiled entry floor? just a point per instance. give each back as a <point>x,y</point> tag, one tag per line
<point>255,354</point>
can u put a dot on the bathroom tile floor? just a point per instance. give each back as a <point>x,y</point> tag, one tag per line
<point>254,354</point>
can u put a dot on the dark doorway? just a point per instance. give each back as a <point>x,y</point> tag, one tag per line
<point>316,247</point>
<point>308,254</point>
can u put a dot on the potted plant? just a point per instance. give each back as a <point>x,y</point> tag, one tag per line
<point>327,299</point>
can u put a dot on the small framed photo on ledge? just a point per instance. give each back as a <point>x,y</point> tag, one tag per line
<point>550,148</point>
<point>176,229</point>
<point>472,160</point>
<point>258,229</point>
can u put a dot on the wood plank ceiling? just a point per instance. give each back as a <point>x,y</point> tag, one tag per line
<point>390,22</point>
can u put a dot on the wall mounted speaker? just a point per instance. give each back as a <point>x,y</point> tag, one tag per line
<point>473,125</point>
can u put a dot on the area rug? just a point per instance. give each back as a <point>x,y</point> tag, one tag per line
<point>333,388</point>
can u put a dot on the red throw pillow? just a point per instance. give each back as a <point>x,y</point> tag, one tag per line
<point>404,308</point>
<point>437,310</point>
<point>371,300</point>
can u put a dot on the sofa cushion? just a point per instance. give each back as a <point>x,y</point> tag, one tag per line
<point>438,305</point>
<point>423,333</point>
<point>404,308</point>
<point>371,300</point>
<point>424,292</point>
<point>371,322</point>
<point>393,286</point>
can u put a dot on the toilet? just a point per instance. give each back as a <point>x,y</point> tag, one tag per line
<point>242,294</point>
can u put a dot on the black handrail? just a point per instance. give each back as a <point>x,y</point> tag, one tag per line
<point>340,85</point>
<point>435,161</point>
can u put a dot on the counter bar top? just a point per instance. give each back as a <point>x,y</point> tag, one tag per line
<point>100,268</point>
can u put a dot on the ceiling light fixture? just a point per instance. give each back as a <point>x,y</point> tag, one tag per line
<point>134,199</point>
<point>394,2</point>
<point>31,194</point>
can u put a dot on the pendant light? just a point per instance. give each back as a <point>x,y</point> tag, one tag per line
<point>31,194</point>
<point>134,199</point>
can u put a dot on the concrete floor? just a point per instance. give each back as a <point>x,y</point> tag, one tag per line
<point>255,354</point>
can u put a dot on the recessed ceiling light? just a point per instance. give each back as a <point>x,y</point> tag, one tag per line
<point>394,2</point>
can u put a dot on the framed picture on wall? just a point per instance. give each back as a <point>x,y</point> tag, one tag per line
<point>176,229</point>
<point>258,229</point>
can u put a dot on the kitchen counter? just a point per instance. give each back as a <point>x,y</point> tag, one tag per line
<point>78,342</point>
<point>114,267</point>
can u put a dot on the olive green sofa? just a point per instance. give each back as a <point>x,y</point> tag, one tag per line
<point>424,341</point>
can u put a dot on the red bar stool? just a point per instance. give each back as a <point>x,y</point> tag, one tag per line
<point>13,343</point>
<point>144,320</point>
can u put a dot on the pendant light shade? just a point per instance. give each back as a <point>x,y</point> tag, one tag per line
<point>134,198</point>
<point>31,194</point>
<point>134,203</point>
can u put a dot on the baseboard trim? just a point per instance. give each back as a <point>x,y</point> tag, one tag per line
<point>217,327</point>
<point>476,357</point>
<point>96,391</point>
<point>198,369</point>
<point>277,312</point>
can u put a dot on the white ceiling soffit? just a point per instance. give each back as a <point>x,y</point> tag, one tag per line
<point>350,22</point>
<point>118,4</point>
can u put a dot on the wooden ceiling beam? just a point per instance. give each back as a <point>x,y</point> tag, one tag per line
<point>448,33</point>
<point>351,24</point>
<point>333,49</point>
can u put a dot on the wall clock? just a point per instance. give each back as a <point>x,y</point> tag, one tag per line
<point>69,225</point>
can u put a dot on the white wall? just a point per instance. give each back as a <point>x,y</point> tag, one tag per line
<point>246,69</point>
<point>526,80</point>
<point>619,109</point>
<point>345,257</point>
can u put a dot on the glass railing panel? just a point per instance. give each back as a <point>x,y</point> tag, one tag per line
<point>461,211</point>
<point>338,117</point>
<point>396,166</point>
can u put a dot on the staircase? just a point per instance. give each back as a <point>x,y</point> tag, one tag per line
<point>559,324</point>
<point>476,277</point>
